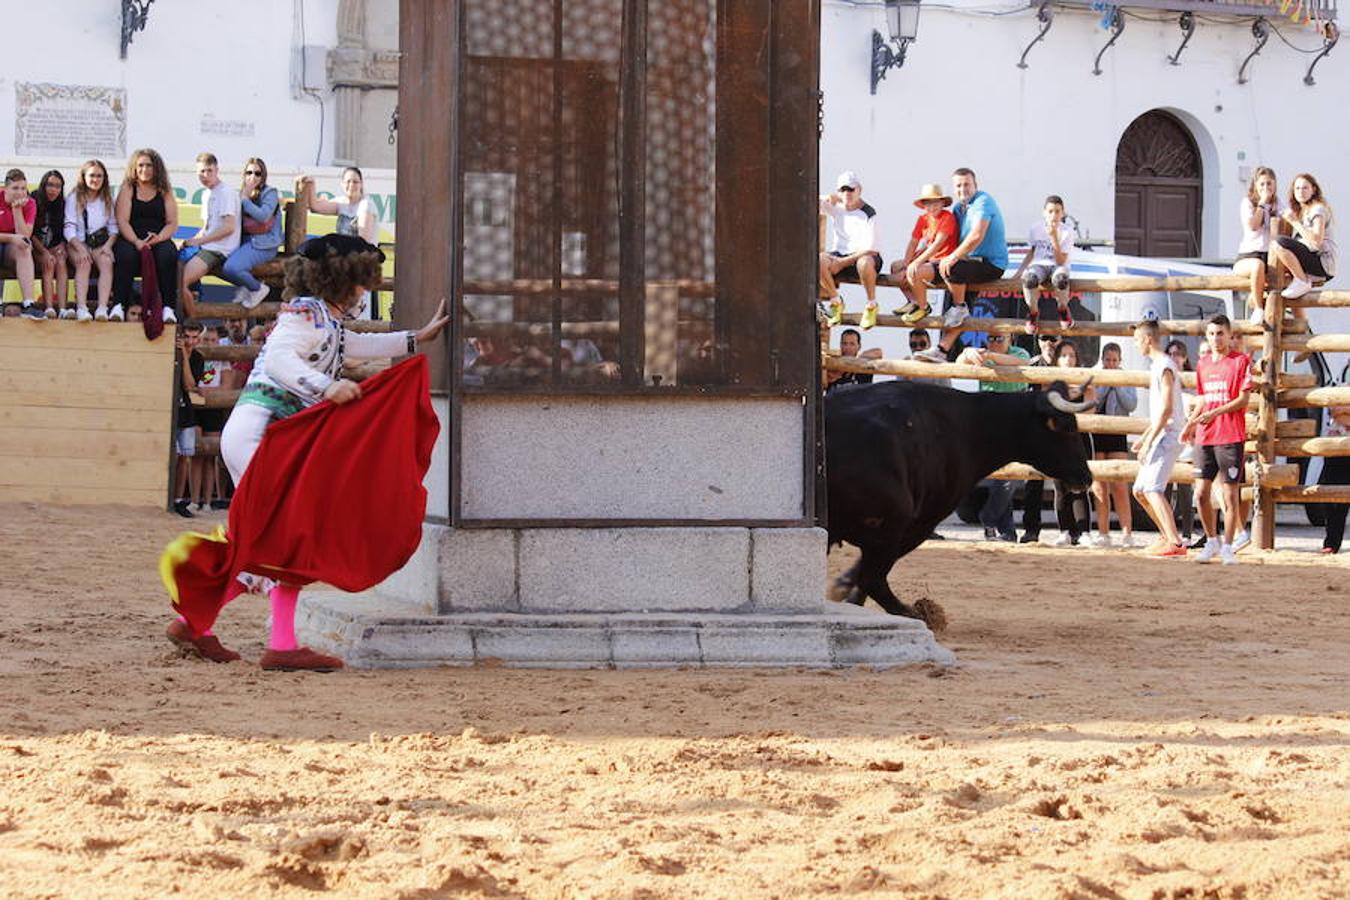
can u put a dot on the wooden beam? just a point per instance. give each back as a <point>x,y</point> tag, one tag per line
<point>1313,493</point>
<point>1319,343</point>
<point>1126,469</point>
<point>1188,327</point>
<point>1302,398</point>
<point>1110,283</point>
<point>1321,299</point>
<point>1317,446</point>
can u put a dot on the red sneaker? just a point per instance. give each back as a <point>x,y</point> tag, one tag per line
<point>1065,317</point>
<point>302,659</point>
<point>1033,324</point>
<point>1174,550</point>
<point>207,647</point>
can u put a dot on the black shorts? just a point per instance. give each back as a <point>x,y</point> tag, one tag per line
<point>1253,254</point>
<point>1307,257</point>
<point>1110,443</point>
<point>1224,461</point>
<point>852,271</point>
<point>973,270</point>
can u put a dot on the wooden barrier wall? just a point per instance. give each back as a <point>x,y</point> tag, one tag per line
<point>86,413</point>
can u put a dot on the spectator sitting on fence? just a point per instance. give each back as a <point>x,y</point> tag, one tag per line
<point>1160,444</point>
<point>355,216</point>
<point>91,233</point>
<point>147,217</point>
<point>187,374</point>
<point>852,247</point>
<point>49,243</point>
<point>1112,401</point>
<point>1071,507</point>
<point>1033,490</point>
<point>1260,220</point>
<point>17,214</point>
<point>850,345</point>
<point>1219,426</point>
<point>206,251</point>
<point>1049,245</point>
<point>997,515</point>
<point>933,237</point>
<point>1311,252</point>
<point>1335,471</point>
<point>261,207</point>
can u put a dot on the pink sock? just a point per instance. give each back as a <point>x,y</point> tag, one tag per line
<point>284,598</point>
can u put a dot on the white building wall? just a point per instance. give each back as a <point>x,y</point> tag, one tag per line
<point>235,62</point>
<point>1053,127</point>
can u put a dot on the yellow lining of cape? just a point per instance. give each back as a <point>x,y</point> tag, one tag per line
<point>177,553</point>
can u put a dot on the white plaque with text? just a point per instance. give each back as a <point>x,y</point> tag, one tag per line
<point>69,120</point>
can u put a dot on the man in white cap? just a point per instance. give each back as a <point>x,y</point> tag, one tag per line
<point>851,247</point>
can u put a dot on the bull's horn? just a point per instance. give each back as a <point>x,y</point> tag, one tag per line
<point>1064,405</point>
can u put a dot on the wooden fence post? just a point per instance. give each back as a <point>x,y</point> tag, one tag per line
<point>1268,411</point>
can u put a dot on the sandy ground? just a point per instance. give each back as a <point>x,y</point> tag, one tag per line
<point>1116,727</point>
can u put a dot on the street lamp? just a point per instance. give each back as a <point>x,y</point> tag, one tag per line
<point>902,20</point>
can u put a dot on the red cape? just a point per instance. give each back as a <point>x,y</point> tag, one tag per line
<point>333,494</point>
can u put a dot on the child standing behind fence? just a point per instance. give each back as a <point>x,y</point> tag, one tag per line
<point>1050,242</point>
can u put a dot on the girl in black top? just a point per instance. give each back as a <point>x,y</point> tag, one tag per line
<point>147,216</point>
<point>49,242</point>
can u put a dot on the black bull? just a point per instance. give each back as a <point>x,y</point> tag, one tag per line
<point>900,456</point>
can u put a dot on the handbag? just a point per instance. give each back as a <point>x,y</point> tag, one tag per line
<point>253,226</point>
<point>93,239</point>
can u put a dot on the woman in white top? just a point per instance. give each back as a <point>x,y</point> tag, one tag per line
<point>1311,252</point>
<point>355,213</point>
<point>1260,216</point>
<point>91,231</point>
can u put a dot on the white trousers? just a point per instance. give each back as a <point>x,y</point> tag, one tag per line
<point>241,437</point>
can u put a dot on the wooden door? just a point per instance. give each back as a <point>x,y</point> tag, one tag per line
<point>1158,189</point>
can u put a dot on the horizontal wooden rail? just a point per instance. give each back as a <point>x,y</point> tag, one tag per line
<point>1023,374</point>
<point>1318,343</point>
<point>230,352</point>
<point>1315,446</point>
<point>269,309</point>
<point>1313,493</point>
<point>1302,398</point>
<point>519,287</point>
<point>1321,299</point>
<point>1105,283</point>
<point>1187,327</point>
<point>1278,475</point>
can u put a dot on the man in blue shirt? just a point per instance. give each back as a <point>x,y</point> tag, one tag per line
<point>980,257</point>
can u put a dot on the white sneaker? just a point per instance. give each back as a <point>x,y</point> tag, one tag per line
<point>1127,540</point>
<point>1064,540</point>
<point>100,315</point>
<point>240,293</point>
<point>1100,540</point>
<point>1241,540</point>
<point>1257,317</point>
<point>253,298</point>
<point>1210,550</point>
<point>117,315</point>
<point>1297,288</point>
<point>82,313</point>
<point>1227,556</point>
<point>169,317</point>
<point>955,315</point>
<point>68,312</point>
<point>932,354</point>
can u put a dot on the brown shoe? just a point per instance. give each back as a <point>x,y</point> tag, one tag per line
<point>207,647</point>
<point>301,659</point>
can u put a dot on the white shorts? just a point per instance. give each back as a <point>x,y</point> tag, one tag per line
<point>1156,468</point>
<point>241,437</point>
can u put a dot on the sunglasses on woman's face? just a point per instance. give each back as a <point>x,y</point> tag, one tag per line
<point>252,172</point>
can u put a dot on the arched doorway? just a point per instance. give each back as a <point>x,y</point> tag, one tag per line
<point>1158,188</point>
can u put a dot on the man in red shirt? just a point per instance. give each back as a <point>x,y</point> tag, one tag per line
<point>17,214</point>
<point>1218,425</point>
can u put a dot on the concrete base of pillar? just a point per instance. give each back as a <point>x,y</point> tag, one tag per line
<point>374,631</point>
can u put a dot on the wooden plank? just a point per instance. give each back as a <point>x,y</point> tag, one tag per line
<point>62,334</point>
<point>1189,327</point>
<point>1319,343</point>
<point>1124,284</point>
<point>1317,446</point>
<point>147,391</point>
<point>86,362</point>
<point>1321,299</point>
<point>53,418</point>
<point>67,495</point>
<point>53,444</point>
<point>139,474</point>
<point>1127,469</point>
<point>1324,396</point>
<point>1313,493</point>
<point>102,397</point>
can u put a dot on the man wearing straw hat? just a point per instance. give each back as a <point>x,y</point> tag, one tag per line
<point>933,237</point>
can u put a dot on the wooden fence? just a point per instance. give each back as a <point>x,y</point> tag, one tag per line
<point>1268,438</point>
